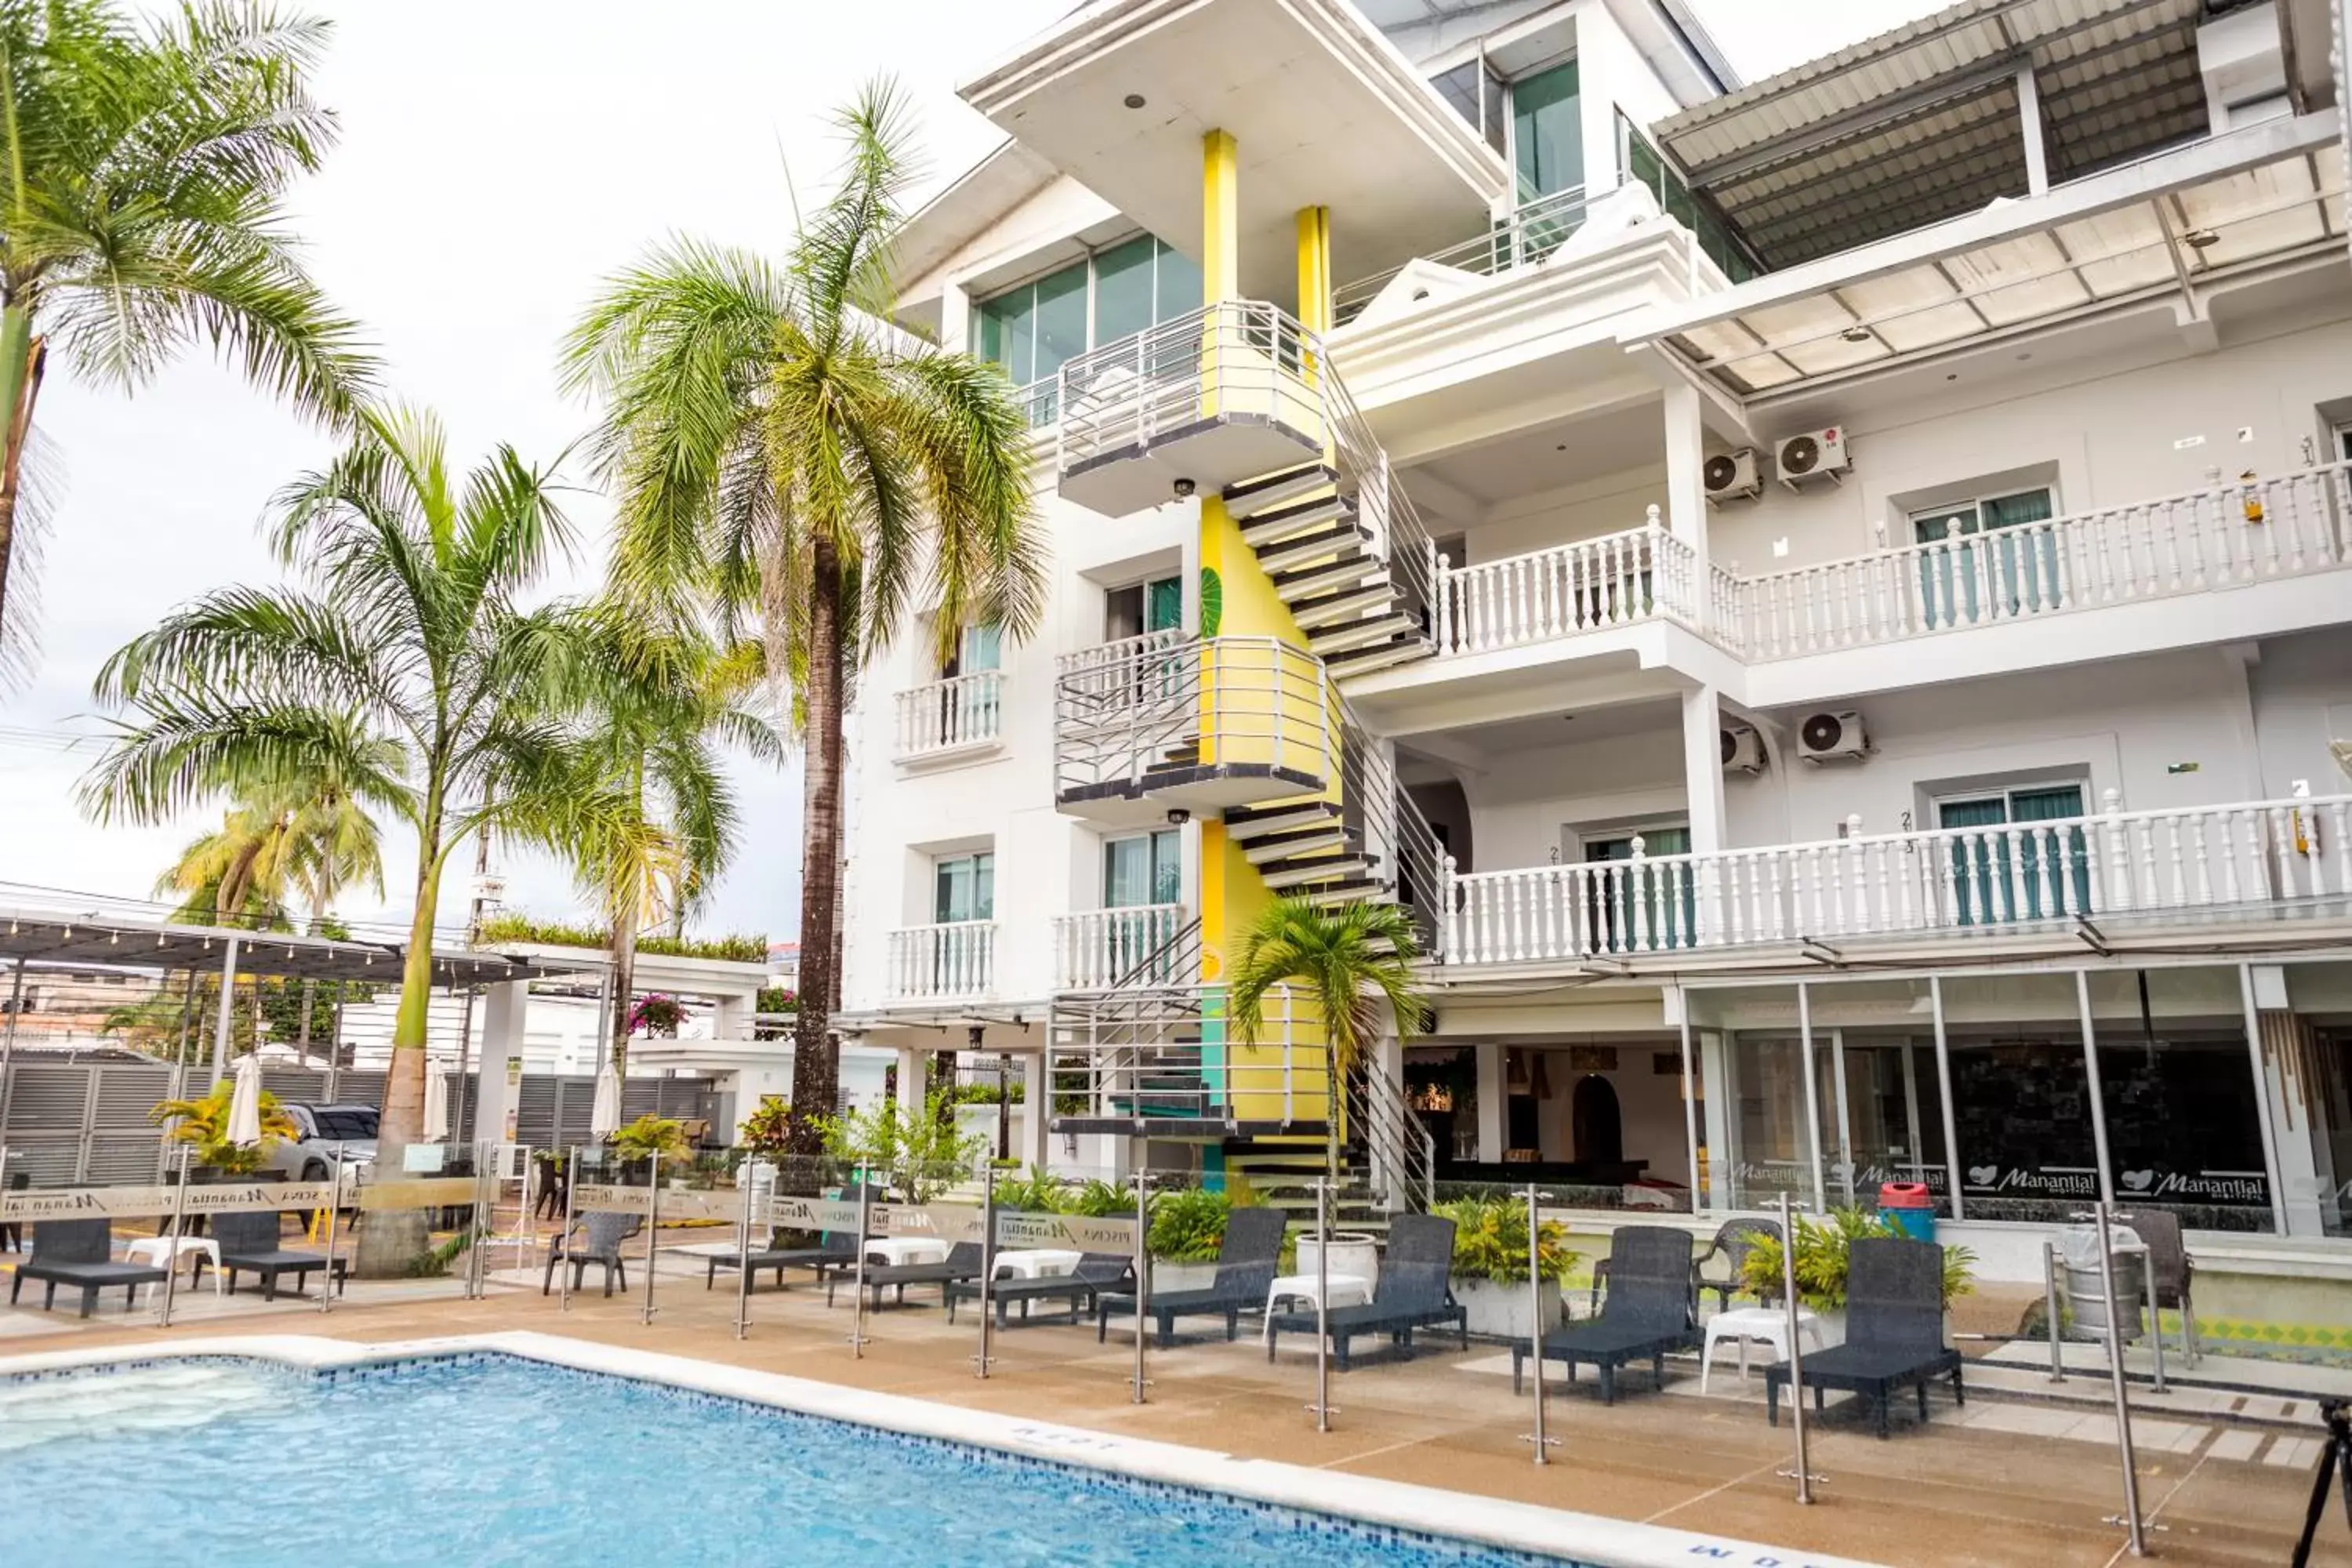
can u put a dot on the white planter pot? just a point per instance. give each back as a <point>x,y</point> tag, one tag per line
<point>1504,1312</point>
<point>1167,1276</point>
<point>1351,1254</point>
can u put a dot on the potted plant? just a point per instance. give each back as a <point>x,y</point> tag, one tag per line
<point>656,1014</point>
<point>1188,1228</point>
<point>1824,1256</point>
<point>636,1145</point>
<point>919,1154</point>
<point>203,1125</point>
<point>1490,1266</point>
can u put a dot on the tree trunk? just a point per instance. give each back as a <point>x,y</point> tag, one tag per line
<point>391,1239</point>
<point>817,1057</point>
<point>624,980</point>
<point>23,357</point>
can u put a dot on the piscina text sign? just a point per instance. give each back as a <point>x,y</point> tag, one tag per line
<point>31,1206</point>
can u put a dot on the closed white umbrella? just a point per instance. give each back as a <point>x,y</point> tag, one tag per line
<point>604,1118</point>
<point>245,1103</point>
<point>437,1107</point>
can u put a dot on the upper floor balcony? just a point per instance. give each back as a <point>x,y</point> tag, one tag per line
<point>951,962</point>
<point>1168,720</point>
<point>2190,866</point>
<point>944,720</point>
<point>1096,949</point>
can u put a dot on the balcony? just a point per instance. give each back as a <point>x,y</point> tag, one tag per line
<point>1165,721</point>
<point>952,962</point>
<point>1096,949</point>
<point>1587,585</point>
<point>946,720</point>
<point>2180,865</point>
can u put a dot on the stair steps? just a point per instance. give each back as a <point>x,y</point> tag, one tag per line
<point>1255,497</point>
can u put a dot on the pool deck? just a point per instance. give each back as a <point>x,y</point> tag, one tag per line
<point>2017,1477</point>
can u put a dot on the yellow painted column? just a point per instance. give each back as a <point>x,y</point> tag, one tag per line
<point>1220,210</point>
<point>1315,268</point>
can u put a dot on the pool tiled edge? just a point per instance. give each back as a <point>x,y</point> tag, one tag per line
<point>1429,1511</point>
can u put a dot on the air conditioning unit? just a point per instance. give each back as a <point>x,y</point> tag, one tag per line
<point>1732,476</point>
<point>1816,454</point>
<point>1833,737</point>
<point>1743,749</point>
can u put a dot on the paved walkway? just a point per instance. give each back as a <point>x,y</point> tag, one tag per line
<point>2014,1478</point>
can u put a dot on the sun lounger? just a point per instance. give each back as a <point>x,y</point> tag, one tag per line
<point>962,1262</point>
<point>1411,1293</point>
<point>1246,1261</point>
<point>248,1245</point>
<point>1096,1272</point>
<point>1893,1330</point>
<point>79,1253</point>
<point>1648,1314</point>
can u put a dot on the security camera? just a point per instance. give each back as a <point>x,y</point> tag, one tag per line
<point>1184,489</point>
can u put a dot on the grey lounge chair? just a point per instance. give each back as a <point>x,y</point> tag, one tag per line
<point>1247,1260</point>
<point>1893,1330</point>
<point>962,1262</point>
<point>1096,1272</point>
<point>1648,1312</point>
<point>595,1238</point>
<point>1411,1293</point>
<point>79,1253</point>
<point>250,1244</point>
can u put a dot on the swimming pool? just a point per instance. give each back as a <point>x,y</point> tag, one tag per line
<point>489,1459</point>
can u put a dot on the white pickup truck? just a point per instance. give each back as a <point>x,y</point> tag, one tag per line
<point>310,1157</point>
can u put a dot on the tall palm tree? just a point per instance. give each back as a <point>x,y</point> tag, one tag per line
<point>406,666</point>
<point>1352,961</point>
<point>143,175</point>
<point>776,445</point>
<point>275,849</point>
<point>659,699</point>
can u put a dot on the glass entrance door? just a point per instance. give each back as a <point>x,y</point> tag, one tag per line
<point>1140,872</point>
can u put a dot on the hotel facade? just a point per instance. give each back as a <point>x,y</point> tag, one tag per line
<point>1827,599</point>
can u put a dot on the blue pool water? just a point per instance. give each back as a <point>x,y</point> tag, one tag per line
<point>489,1459</point>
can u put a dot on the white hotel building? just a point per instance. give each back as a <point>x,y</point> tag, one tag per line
<point>1828,598</point>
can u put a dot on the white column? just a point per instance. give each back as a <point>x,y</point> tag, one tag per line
<point>914,1066</point>
<point>1686,474</point>
<point>732,1020</point>
<point>1703,768</point>
<point>506,1009</point>
<point>1491,1102</point>
<point>2029,125</point>
<point>955,318</point>
<point>1036,1112</point>
<point>1715,1099</point>
<point>1387,1103</point>
<point>2284,1115</point>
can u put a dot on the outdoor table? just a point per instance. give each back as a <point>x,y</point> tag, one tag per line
<point>897,1249</point>
<point>1767,1325</point>
<point>1347,1290</point>
<point>165,1252</point>
<point>1036,1262</point>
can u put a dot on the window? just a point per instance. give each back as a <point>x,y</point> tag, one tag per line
<point>1546,135</point>
<point>980,648</point>
<point>2014,577</point>
<point>1146,869</point>
<point>1646,166</point>
<point>2038,874</point>
<point>1477,94</point>
<point>1032,331</point>
<point>1157,605</point>
<point>963,888</point>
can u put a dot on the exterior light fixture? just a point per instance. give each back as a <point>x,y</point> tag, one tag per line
<point>1856,333</point>
<point>1133,101</point>
<point>2201,239</point>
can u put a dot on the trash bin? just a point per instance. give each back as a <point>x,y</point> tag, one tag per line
<point>1909,1207</point>
<point>2078,1256</point>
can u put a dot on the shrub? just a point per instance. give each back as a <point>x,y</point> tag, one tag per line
<point>1490,1241</point>
<point>1825,1255</point>
<point>1040,1192</point>
<point>1189,1225</point>
<point>203,1125</point>
<point>521,928</point>
<point>648,1136</point>
<point>768,1130</point>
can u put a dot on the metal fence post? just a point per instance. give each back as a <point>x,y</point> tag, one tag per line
<point>563,1237</point>
<point>1536,1325</point>
<point>2050,1309</point>
<point>1803,1474</point>
<point>2135,1532</point>
<point>1139,1383</point>
<point>745,1174</point>
<point>1322,1406</point>
<point>865,1230</point>
<point>652,1226</point>
<point>334,1206</point>
<point>987,1266</point>
<point>179,1224</point>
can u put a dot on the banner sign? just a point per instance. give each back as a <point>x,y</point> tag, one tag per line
<point>811,1214</point>
<point>602,1199</point>
<point>32,1205</point>
<point>438,1192</point>
<point>1074,1232</point>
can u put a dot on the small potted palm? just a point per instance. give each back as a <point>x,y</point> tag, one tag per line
<point>203,1124</point>
<point>1824,1257</point>
<point>1188,1229</point>
<point>1490,1266</point>
<point>635,1146</point>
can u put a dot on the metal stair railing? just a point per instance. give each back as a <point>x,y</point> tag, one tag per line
<point>1374,803</point>
<point>1403,1156</point>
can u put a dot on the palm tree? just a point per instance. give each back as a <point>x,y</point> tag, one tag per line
<point>659,699</point>
<point>273,848</point>
<point>1351,961</point>
<point>406,667</point>
<point>779,448</point>
<point>143,206</point>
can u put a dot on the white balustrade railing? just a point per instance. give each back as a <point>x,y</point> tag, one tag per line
<point>952,715</point>
<point>1610,581</point>
<point>1098,948</point>
<point>947,963</point>
<point>2213,538</point>
<point>1947,879</point>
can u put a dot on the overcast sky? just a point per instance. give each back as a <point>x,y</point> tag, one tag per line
<point>498,159</point>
